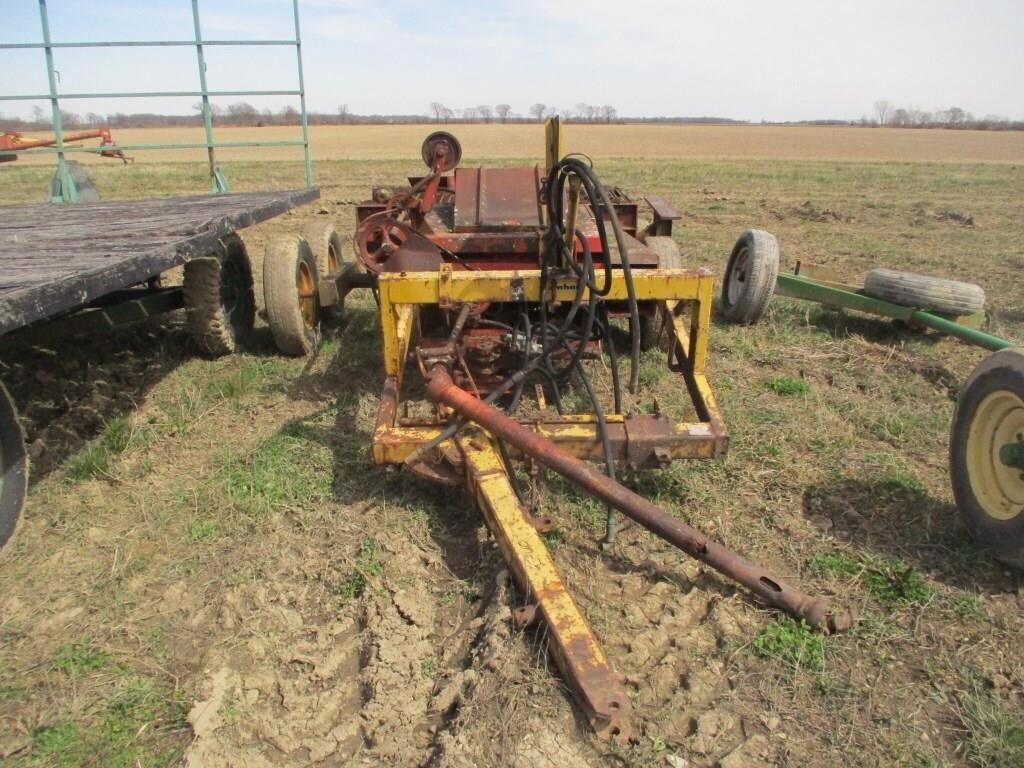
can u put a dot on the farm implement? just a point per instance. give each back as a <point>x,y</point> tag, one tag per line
<point>499,291</point>
<point>12,143</point>
<point>986,439</point>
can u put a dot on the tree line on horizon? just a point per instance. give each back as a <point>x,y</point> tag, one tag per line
<point>246,115</point>
<point>890,115</point>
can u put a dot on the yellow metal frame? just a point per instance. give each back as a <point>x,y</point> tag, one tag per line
<point>402,293</point>
<point>683,298</point>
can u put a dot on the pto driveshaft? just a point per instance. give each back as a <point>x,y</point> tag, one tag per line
<point>816,611</point>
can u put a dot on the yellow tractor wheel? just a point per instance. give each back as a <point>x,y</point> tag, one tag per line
<point>986,455</point>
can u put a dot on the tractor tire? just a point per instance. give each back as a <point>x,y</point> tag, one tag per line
<point>932,294</point>
<point>325,243</point>
<point>669,257</point>
<point>219,298</point>
<point>750,277</point>
<point>989,492</point>
<point>13,468</point>
<point>290,281</point>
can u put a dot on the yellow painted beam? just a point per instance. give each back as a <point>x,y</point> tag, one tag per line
<point>574,647</point>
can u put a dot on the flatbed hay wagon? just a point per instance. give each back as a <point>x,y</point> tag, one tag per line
<point>89,267</point>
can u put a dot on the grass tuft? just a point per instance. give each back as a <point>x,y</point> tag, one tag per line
<point>96,459</point>
<point>788,387</point>
<point>284,471</point>
<point>994,735</point>
<point>795,644</point>
<point>78,657</point>
<point>367,565</point>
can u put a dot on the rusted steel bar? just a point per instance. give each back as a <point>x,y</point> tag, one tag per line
<point>774,591</point>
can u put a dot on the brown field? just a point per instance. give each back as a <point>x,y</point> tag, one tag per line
<point>211,572</point>
<point>378,142</point>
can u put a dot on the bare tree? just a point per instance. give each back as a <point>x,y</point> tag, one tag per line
<point>486,112</point>
<point>69,119</point>
<point>608,113</point>
<point>956,115</point>
<point>503,111</point>
<point>446,114</point>
<point>343,113</point>
<point>882,109</point>
<point>538,110</point>
<point>469,114</point>
<point>38,116</point>
<point>94,118</point>
<point>439,110</point>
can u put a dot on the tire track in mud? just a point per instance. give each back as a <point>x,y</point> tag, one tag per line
<point>675,628</point>
<point>292,679</point>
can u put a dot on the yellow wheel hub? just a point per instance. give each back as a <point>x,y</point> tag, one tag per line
<point>998,422</point>
<point>307,295</point>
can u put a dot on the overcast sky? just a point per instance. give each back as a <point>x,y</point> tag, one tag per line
<point>751,60</point>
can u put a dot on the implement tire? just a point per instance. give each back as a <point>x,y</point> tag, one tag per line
<point>669,257</point>
<point>989,492</point>
<point>325,243</point>
<point>219,298</point>
<point>750,277</point>
<point>932,294</point>
<point>13,468</point>
<point>290,281</point>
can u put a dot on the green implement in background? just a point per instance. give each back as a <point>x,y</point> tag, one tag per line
<point>967,328</point>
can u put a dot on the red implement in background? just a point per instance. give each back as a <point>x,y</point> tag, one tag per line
<point>12,141</point>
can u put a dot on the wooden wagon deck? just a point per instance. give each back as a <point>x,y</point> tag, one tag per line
<point>55,258</point>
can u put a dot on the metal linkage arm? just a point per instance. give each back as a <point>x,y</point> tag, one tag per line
<point>774,591</point>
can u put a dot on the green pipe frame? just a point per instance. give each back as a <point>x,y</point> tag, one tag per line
<point>834,295</point>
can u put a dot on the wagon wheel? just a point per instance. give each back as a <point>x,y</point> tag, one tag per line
<point>750,277</point>
<point>13,467</point>
<point>325,243</point>
<point>669,257</point>
<point>290,292</point>
<point>219,297</point>
<point>986,455</point>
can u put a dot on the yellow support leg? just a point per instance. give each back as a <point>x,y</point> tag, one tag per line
<point>573,645</point>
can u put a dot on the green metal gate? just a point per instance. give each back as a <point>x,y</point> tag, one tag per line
<point>65,189</point>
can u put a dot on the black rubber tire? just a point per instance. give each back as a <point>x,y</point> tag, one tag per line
<point>84,187</point>
<point>13,468</point>
<point>289,269</point>
<point>750,276</point>
<point>219,298</point>
<point>999,373</point>
<point>932,294</point>
<point>669,257</point>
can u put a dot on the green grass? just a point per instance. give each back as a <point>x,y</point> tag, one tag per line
<point>203,529</point>
<point>366,566</point>
<point>97,458</point>
<point>993,729</point>
<point>76,658</point>
<point>794,644</point>
<point>788,387</point>
<point>285,471</point>
<point>136,726</point>
<point>890,582</point>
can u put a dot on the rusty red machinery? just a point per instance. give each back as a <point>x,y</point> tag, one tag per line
<point>499,289</point>
<point>11,143</point>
